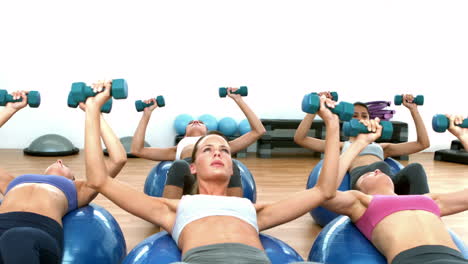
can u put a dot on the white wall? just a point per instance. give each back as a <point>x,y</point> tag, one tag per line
<point>185,50</point>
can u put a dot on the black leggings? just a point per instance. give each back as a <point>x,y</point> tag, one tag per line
<point>410,180</point>
<point>179,175</point>
<point>29,238</point>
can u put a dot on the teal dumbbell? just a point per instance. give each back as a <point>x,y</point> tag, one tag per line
<point>419,100</point>
<point>242,91</point>
<point>34,98</point>
<point>440,123</point>
<point>80,91</point>
<point>311,104</point>
<point>140,105</point>
<point>106,108</point>
<point>354,127</point>
<point>334,96</point>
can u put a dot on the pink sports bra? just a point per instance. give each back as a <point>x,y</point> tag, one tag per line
<point>384,205</point>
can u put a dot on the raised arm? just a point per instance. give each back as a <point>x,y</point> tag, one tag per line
<point>451,203</point>
<point>422,141</point>
<point>301,138</point>
<point>11,108</point>
<point>359,143</point>
<point>117,154</point>
<point>138,142</point>
<point>459,132</point>
<point>257,128</point>
<point>115,163</point>
<point>156,210</point>
<point>291,208</point>
<point>7,112</point>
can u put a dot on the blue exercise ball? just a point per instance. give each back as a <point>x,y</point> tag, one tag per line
<point>156,180</point>
<point>277,251</point>
<point>227,126</point>
<point>210,121</point>
<point>395,166</point>
<point>249,188</point>
<point>341,242</point>
<point>160,248</point>
<point>323,216</point>
<point>92,235</point>
<point>244,127</point>
<point>181,122</point>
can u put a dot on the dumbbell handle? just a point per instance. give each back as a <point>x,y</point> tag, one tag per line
<point>418,100</point>
<point>33,98</point>
<point>80,91</point>
<point>354,127</point>
<point>243,91</point>
<point>140,105</point>
<point>440,123</point>
<point>106,108</point>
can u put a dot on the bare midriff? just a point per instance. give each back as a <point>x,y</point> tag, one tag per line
<point>218,229</point>
<point>39,198</point>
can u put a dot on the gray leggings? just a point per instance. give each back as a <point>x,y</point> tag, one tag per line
<point>225,253</point>
<point>233,253</point>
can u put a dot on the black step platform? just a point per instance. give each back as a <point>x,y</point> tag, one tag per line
<point>456,145</point>
<point>451,155</point>
<point>279,137</point>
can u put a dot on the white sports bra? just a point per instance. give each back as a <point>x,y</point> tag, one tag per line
<point>371,149</point>
<point>194,207</point>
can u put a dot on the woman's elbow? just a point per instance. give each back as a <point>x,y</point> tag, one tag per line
<point>259,132</point>
<point>95,181</point>
<point>135,151</point>
<point>298,139</point>
<point>329,194</point>
<point>96,185</point>
<point>120,161</point>
<point>426,144</point>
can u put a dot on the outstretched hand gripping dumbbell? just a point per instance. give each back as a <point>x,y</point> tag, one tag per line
<point>418,100</point>
<point>80,91</point>
<point>354,127</point>
<point>311,104</point>
<point>242,91</point>
<point>140,105</point>
<point>440,123</point>
<point>106,108</point>
<point>34,98</point>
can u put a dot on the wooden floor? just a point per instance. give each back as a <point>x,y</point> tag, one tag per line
<point>276,178</point>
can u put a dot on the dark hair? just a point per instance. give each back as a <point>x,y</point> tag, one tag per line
<point>212,132</point>
<point>363,105</point>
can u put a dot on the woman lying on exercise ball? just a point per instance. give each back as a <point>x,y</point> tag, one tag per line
<point>33,204</point>
<point>179,179</point>
<point>210,227</point>
<point>404,228</point>
<point>372,156</point>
